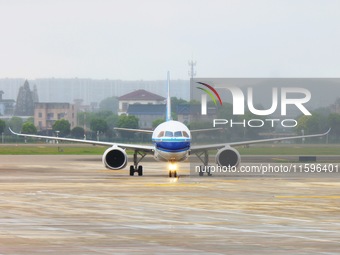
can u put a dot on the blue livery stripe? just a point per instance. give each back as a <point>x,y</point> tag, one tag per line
<point>173,146</point>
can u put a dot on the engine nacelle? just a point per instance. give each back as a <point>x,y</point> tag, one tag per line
<point>228,157</point>
<point>115,158</point>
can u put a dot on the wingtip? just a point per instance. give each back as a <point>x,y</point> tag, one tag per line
<point>12,131</point>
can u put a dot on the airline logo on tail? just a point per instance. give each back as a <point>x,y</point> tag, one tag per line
<point>209,90</point>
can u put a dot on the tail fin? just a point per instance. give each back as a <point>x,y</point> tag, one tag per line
<point>168,101</point>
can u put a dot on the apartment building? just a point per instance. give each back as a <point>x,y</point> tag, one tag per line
<point>46,114</point>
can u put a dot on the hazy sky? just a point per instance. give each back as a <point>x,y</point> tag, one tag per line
<point>132,40</point>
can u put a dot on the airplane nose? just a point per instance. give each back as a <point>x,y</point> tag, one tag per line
<point>173,146</point>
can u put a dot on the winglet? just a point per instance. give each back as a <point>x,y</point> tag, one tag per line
<point>329,130</point>
<point>12,131</point>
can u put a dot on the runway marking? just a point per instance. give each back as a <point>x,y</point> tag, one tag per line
<point>280,159</point>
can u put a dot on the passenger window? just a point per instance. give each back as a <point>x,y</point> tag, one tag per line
<point>169,134</point>
<point>178,134</point>
<point>161,134</point>
<point>185,134</point>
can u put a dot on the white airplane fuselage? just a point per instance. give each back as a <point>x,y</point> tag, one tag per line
<point>172,141</point>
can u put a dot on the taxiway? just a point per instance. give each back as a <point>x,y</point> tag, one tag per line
<point>72,205</point>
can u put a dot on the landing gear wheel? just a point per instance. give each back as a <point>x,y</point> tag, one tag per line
<point>209,172</point>
<point>173,174</point>
<point>140,171</point>
<point>135,168</point>
<point>204,157</point>
<point>132,170</point>
<point>201,171</point>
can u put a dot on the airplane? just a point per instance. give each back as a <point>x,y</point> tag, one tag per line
<point>171,142</point>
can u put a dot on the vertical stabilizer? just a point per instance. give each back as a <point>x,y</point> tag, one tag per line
<point>168,100</point>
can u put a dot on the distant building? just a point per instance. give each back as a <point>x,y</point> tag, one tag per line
<point>147,113</point>
<point>45,114</point>
<point>6,105</point>
<point>140,96</point>
<point>192,113</point>
<point>92,90</point>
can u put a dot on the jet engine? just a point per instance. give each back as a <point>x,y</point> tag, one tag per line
<point>115,158</point>
<point>228,157</point>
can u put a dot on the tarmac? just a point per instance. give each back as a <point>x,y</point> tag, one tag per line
<point>72,205</point>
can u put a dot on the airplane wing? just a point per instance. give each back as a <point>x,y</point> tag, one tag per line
<point>150,131</point>
<point>234,144</point>
<point>205,130</point>
<point>134,130</point>
<point>145,148</point>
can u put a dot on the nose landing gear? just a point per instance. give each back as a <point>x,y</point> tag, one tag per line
<point>172,173</point>
<point>172,170</point>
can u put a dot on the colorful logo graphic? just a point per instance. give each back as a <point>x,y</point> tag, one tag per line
<point>210,92</point>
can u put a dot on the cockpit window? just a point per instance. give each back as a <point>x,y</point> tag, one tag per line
<point>169,134</point>
<point>178,134</point>
<point>173,134</point>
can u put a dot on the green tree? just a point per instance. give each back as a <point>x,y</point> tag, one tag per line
<point>98,124</point>
<point>30,119</point>
<point>63,126</point>
<point>102,114</point>
<point>314,123</point>
<point>78,132</point>
<point>175,101</point>
<point>109,104</point>
<point>225,111</point>
<point>156,122</point>
<point>334,122</point>
<point>112,121</point>
<point>125,121</point>
<point>82,118</point>
<point>15,124</point>
<point>25,102</point>
<point>28,128</point>
<point>2,126</point>
<point>87,117</point>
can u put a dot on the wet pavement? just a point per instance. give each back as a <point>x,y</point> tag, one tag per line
<point>72,205</point>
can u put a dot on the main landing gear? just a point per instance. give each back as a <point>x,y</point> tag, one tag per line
<point>135,168</point>
<point>204,157</point>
